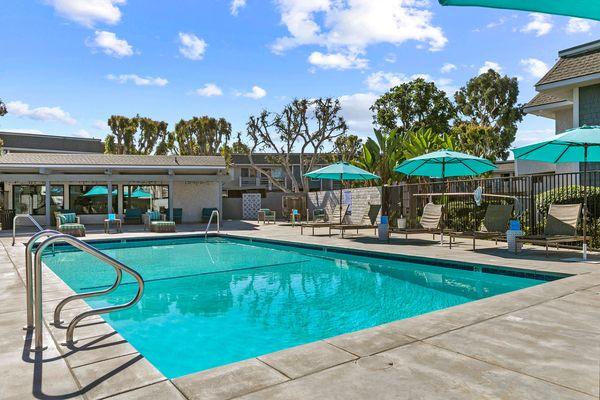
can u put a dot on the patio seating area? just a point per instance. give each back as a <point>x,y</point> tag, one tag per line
<point>549,345</point>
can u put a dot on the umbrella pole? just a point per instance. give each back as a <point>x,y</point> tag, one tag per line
<point>341,199</point>
<point>585,202</point>
<point>443,190</point>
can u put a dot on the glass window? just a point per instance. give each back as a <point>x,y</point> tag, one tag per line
<point>150,197</point>
<point>91,199</point>
<point>31,199</point>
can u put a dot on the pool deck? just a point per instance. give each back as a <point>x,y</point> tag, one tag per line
<point>541,342</point>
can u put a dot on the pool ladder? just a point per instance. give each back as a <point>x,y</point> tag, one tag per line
<point>20,216</point>
<point>213,213</point>
<point>33,283</point>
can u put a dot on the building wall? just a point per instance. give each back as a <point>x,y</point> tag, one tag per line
<point>192,197</point>
<point>589,105</point>
<point>361,199</point>
<point>232,206</point>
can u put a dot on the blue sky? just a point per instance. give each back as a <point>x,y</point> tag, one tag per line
<point>67,65</point>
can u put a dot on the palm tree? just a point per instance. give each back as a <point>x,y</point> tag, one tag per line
<point>380,156</point>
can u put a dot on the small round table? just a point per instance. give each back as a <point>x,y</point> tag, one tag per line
<point>117,221</point>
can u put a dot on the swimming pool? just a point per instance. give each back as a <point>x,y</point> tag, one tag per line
<point>210,302</point>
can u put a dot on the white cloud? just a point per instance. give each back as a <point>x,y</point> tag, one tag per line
<point>355,109</point>
<point>579,25</point>
<point>337,61</point>
<point>138,80</point>
<point>540,24</point>
<point>447,68</point>
<point>89,12</point>
<point>390,58</point>
<point>110,44</point>
<point>490,65</point>
<point>381,81</point>
<point>494,24</point>
<point>100,125</point>
<point>209,90</point>
<point>83,134</point>
<point>192,47</point>
<point>534,67</point>
<point>530,136</point>
<point>352,26</point>
<point>256,93</point>
<point>20,109</point>
<point>236,5</point>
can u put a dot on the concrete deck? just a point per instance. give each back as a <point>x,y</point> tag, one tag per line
<point>541,342</point>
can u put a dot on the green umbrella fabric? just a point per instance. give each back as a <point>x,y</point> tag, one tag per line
<point>140,193</point>
<point>444,164</point>
<point>573,8</point>
<point>342,171</point>
<point>569,146</point>
<point>99,191</point>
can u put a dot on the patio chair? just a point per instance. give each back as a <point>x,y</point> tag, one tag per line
<point>267,215</point>
<point>177,215</point>
<point>561,227</point>
<point>333,218</point>
<point>70,224</point>
<point>368,221</point>
<point>431,222</point>
<point>154,221</point>
<point>495,223</point>
<point>133,216</point>
<point>319,214</point>
<point>206,212</point>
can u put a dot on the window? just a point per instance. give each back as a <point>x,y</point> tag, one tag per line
<point>31,199</point>
<point>91,199</point>
<point>152,197</point>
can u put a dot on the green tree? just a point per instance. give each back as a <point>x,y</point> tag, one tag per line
<point>413,105</point>
<point>200,136</point>
<point>347,148</point>
<point>478,140</point>
<point>380,156</point>
<point>137,135</point>
<point>490,100</point>
<point>425,141</point>
<point>3,109</point>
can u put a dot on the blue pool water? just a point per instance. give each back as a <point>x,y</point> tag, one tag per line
<point>210,302</point>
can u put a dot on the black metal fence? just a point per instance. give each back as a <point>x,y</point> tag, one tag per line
<point>531,196</point>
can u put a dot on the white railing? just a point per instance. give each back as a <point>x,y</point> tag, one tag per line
<point>214,212</point>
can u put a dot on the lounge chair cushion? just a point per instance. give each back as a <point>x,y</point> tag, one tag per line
<point>74,229</point>
<point>432,215</point>
<point>497,217</point>
<point>154,215</point>
<point>562,219</point>
<point>68,218</point>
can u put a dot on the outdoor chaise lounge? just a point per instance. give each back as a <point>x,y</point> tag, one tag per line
<point>154,221</point>
<point>368,221</point>
<point>431,222</point>
<point>267,215</point>
<point>561,227</point>
<point>495,223</point>
<point>333,218</point>
<point>70,224</point>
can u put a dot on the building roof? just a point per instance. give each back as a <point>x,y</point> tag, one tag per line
<point>575,62</point>
<point>543,99</point>
<point>110,160</point>
<point>50,143</point>
<point>261,158</point>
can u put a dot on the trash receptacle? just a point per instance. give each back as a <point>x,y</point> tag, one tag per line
<point>6,219</point>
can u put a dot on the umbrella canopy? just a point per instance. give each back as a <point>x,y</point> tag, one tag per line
<point>445,163</point>
<point>342,171</point>
<point>575,145</point>
<point>140,193</point>
<point>99,191</point>
<point>573,8</point>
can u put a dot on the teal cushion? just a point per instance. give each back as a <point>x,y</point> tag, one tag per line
<point>153,215</point>
<point>68,218</point>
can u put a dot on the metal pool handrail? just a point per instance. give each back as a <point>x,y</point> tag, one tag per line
<point>29,217</point>
<point>210,220</point>
<point>79,244</point>
<point>29,272</point>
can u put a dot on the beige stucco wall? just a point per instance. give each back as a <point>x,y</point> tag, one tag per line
<point>192,197</point>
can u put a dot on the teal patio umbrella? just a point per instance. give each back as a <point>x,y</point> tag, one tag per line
<point>342,171</point>
<point>98,191</point>
<point>573,8</point>
<point>445,163</point>
<point>140,193</point>
<point>575,145</point>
